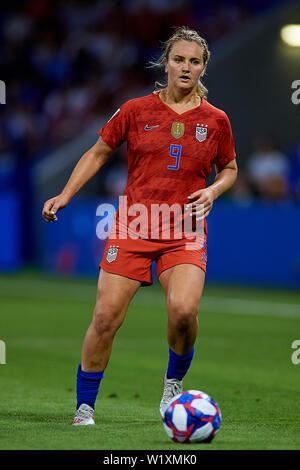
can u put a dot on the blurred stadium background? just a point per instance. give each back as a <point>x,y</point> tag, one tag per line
<point>68,65</point>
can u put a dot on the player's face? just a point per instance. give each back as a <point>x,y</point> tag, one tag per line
<point>185,65</point>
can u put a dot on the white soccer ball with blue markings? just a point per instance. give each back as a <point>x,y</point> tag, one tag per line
<point>192,416</point>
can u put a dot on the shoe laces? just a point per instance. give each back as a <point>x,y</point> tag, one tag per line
<point>84,411</point>
<point>172,388</point>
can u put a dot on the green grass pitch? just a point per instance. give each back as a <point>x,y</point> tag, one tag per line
<point>242,359</point>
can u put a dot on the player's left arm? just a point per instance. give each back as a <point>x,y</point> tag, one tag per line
<point>203,199</point>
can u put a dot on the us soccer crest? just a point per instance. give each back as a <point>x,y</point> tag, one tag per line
<point>201,132</point>
<point>177,129</point>
<point>112,254</point>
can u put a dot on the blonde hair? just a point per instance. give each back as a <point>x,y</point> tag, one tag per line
<point>183,33</point>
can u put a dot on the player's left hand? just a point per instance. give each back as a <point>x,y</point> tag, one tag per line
<point>201,203</point>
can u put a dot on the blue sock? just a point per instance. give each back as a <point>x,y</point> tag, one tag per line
<point>179,365</point>
<point>88,384</point>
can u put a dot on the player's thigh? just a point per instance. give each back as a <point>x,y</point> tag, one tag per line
<point>114,293</point>
<point>183,285</point>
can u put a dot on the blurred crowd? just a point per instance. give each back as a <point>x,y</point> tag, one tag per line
<point>270,174</point>
<point>68,62</point>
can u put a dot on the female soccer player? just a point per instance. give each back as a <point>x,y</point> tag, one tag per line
<point>174,136</point>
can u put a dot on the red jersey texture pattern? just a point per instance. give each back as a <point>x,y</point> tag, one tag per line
<point>170,155</point>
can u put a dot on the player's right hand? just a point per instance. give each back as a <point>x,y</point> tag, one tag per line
<point>53,205</point>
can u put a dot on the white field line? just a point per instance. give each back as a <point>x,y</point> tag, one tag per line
<point>145,298</point>
<point>236,306</point>
<point>250,307</point>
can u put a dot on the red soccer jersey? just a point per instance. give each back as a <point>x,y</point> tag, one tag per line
<point>170,155</point>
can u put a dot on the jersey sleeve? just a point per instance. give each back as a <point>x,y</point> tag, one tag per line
<point>115,131</point>
<point>226,149</point>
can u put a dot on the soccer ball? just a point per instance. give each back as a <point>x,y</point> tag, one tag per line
<point>192,416</point>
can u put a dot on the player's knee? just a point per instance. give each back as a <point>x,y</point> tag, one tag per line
<point>106,319</point>
<point>182,314</point>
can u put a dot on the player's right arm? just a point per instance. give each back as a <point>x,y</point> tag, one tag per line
<point>88,165</point>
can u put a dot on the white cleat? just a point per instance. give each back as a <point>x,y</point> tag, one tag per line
<point>172,387</point>
<point>84,416</point>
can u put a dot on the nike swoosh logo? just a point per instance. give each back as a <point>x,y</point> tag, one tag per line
<point>148,128</point>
